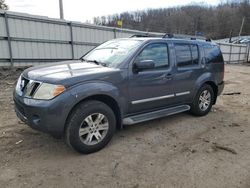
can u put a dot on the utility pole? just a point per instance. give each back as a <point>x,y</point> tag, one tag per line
<point>61,9</point>
<point>230,36</point>
<point>241,27</point>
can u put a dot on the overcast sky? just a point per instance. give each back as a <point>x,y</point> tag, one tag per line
<point>82,10</point>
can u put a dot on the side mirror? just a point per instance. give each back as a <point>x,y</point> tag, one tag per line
<point>143,65</point>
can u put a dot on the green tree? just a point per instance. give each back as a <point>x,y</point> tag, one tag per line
<point>3,5</point>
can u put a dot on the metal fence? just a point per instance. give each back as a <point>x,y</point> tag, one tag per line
<point>234,53</point>
<point>29,40</point>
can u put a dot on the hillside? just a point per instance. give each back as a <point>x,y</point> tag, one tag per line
<point>210,21</point>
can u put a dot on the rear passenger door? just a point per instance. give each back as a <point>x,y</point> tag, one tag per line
<point>188,69</point>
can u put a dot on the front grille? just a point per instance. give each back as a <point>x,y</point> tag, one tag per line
<point>34,88</point>
<point>28,87</point>
<point>24,83</point>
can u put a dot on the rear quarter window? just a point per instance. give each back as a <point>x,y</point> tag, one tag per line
<point>213,54</point>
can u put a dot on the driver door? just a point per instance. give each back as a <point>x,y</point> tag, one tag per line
<point>151,88</point>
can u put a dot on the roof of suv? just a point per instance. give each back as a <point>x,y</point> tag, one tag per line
<point>191,40</point>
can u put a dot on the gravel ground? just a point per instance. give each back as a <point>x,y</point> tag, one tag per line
<point>177,151</point>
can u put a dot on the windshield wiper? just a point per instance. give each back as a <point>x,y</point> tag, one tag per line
<point>93,61</point>
<point>96,62</point>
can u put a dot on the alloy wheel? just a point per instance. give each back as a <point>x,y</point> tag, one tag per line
<point>94,128</point>
<point>204,100</point>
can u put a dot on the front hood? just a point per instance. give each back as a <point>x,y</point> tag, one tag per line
<point>75,71</point>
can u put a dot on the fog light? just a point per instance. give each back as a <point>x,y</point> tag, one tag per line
<point>36,119</point>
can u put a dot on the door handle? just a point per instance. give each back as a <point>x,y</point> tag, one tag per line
<point>168,76</point>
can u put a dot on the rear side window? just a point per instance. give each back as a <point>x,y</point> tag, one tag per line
<point>195,53</point>
<point>213,54</point>
<point>186,55</point>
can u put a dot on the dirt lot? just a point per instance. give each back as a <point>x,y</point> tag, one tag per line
<point>176,151</point>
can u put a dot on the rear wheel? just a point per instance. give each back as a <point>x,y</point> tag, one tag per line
<point>203,101</point>
<point>90,127</point>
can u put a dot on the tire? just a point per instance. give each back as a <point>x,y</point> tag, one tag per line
<point>199,109</point>
<point>90,127</point>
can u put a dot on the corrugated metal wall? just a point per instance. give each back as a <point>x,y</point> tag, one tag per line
<point>29,40</point>
<point>234,53</point>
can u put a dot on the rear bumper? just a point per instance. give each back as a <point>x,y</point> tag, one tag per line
<point>220,88</point>
<point>46,116</point>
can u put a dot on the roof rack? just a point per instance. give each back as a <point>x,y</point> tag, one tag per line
<point>176,36</point>
<point>179,36</point>
<point>168,35</point>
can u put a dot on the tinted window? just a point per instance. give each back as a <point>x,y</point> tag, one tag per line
<point>195,53</point>
<point>186,54</point>
<point>183,55</point>
<point>156,52</point>
<point>213,54</point>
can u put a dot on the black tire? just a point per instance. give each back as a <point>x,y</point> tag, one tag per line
<point>195,108</point>
<point>77,119</point>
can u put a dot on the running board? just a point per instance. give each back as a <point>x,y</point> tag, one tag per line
<point>155,114</point>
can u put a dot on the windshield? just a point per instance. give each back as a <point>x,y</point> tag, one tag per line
<point>112,53</point>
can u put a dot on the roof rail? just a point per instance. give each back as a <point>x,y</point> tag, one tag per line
<point>190,37</point>
<point>168,35</point>
<point>176,36</point>
<point>141,35</point>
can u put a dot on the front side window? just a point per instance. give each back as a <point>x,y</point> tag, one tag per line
<point>158,53</point>
<point>186,55</point>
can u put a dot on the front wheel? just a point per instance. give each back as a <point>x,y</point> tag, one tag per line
<point>90,127</point>
<point>203,101</point>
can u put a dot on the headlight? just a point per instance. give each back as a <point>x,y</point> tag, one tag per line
<point>18,86</point>
<point>48,91</point>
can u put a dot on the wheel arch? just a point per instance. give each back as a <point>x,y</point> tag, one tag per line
<point>206,78</point>
<point>214,87</point>
<point>106,99</point>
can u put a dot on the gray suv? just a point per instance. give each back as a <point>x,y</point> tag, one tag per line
<point>121,82</point>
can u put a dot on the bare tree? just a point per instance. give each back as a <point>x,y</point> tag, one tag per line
<point>200,19</point>
<point>3,5</point>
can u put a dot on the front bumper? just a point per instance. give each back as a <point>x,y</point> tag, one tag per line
<point>46,116</point>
